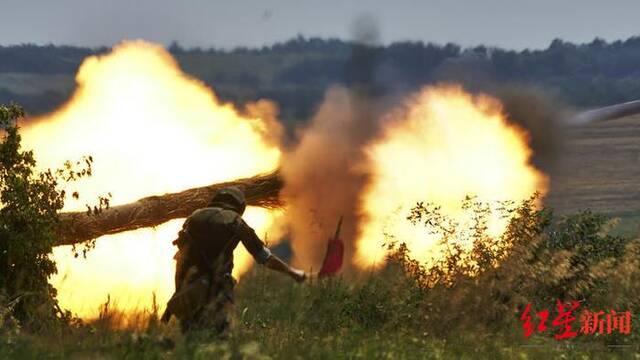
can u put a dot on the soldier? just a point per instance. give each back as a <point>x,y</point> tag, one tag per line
<point>204,261</point>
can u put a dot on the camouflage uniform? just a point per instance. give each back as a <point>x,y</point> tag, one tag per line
<point>204,261</point>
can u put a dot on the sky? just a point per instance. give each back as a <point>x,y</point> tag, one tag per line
<point>513,24</point>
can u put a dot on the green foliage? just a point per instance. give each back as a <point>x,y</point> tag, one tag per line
<point>464,305</point>
<point>29,203</point>
<point>537,260</point>
<point>583,233</point>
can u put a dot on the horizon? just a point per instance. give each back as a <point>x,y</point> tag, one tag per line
<point>184,47</point>
<point>515,25</point>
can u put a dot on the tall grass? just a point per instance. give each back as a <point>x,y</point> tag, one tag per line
<point>465,305</point>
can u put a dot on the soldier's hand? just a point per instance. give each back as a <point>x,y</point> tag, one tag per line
<point>298,275</point>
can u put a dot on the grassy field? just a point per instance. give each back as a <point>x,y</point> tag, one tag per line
<point>275,319</point>
<point>386,315</point>
<point>459,308</point>
<point>599,168</point>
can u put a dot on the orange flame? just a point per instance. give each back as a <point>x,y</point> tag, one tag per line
<point>445,146</point>
<point>151,129</point>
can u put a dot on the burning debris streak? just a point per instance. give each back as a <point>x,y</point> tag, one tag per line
<point>151,129</point>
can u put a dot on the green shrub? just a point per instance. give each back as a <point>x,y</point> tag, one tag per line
<point>464,304</point>
<point>537,260</point>
<point>29,205</point>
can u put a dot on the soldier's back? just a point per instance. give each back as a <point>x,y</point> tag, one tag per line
<point>212,229</point>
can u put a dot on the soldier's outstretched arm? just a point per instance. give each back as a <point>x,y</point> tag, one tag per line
<point>274,263</point>
<point>263,255</point>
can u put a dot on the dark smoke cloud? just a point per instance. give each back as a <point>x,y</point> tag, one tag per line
<point>534,109</point>
<point>325,171</point>
<point>541,116</point>
<point>323,177</point>
<point>322,173</point>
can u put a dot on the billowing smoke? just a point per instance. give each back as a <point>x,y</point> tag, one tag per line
<point>327,172</point>
<point>323,172</point>
<point>541,116</point>
<point>531,108</point>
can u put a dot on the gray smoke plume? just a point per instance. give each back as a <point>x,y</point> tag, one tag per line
<point>322,174</point>
<point>541,116</point>
<point>533,109</point>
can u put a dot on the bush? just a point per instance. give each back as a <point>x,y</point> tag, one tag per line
<point>465,302</point>
<point>29,205</point>
<point>537,260</point>
<point>465,305</point>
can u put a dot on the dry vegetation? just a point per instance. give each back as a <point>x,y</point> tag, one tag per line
<point>464,306</point>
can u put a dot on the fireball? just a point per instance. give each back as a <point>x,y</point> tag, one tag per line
<point>150,129</point>
<point>443,146</point>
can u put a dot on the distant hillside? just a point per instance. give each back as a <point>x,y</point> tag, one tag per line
<point>297,72</point>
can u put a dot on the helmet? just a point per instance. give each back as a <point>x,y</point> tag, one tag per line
<point>230,198</point>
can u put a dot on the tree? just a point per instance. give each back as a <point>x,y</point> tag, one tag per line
<point>80,227</point>
<point>29,205</point>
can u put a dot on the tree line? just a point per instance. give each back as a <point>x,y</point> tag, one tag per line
<point>296,73</point>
